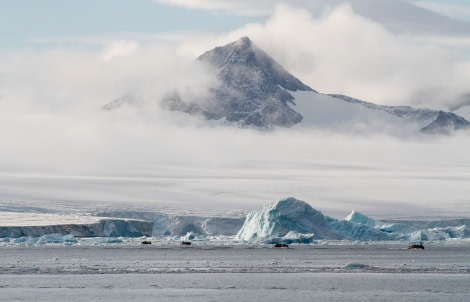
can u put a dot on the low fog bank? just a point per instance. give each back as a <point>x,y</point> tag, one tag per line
<point>132,158</point>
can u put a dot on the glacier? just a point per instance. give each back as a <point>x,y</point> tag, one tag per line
<point>288,220</point>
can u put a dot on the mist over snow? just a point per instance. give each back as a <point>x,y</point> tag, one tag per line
<point>59,145</point>
<point>80,154</point>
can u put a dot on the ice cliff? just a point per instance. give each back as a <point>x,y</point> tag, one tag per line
<point>102,228</point>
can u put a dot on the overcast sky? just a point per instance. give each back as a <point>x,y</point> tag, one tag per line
<point>61,61</point>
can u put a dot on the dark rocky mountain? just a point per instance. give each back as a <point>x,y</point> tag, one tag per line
<point>446,123</point>
<point>253,89</point>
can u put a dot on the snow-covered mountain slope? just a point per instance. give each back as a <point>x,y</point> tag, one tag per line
<point>340,113</point>
<point>463,112</point>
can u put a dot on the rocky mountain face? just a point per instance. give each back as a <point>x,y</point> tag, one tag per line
<point>253,89</point>
<point>446,123</point>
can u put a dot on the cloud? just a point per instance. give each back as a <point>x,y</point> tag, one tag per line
<point>398,16</point>
<point>334,49</point>
<point>343,52</point>
<point>119,48</point>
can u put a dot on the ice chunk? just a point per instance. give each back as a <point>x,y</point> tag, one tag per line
<point>57,238</point>
<point>458,232</point>
<point>358,218</point>
<point>192,236</point>
<point>292,237</point>
<point>355,265</point>
<point>46,239</point>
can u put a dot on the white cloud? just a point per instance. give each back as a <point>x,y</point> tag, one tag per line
<point>119,49</point>
<point>396,15</point>
<point>343,52</point>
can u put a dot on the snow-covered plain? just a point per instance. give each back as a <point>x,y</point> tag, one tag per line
<point>382,177</point>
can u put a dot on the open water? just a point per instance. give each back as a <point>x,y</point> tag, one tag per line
<point>202,272</point>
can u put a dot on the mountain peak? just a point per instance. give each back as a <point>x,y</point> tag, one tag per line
<point>446,123</point>
<point>253,88</point>
<point>243,42</point>
<point>229,60</point>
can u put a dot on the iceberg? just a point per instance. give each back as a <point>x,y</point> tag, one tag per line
<point>278,218</point>
<point>294,221</point>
